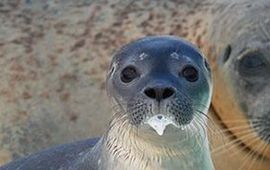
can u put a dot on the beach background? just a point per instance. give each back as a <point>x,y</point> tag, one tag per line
<point>53,60</point>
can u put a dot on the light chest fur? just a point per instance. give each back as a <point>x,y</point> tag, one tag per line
<point>125,149</point>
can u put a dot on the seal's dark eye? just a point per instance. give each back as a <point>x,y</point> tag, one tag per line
<point>190,73</point>
<point>252,61</point>
<point>128,74</point>
<point>252,64</point>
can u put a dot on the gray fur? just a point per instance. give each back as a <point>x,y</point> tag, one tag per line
<point>246,67</point>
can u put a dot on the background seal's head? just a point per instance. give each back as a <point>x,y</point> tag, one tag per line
<point>159,81</point>
<point>241,72</point>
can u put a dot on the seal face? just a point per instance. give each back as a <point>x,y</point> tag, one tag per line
<point>160,81</point>
<point>161,87</point>
<point>245,60</point>
<point>251,79</point>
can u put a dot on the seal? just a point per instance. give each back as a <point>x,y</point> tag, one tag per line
<point>241,71</point>
<point>161,88</point>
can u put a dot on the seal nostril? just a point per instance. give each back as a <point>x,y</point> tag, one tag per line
<point>168,92</point>
<point>150,92</point>
<point>159,93</point>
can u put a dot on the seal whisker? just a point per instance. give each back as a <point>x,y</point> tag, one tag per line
<point>210,121</point>
<point>264,150</point>
<point>248,139</point>
<point>253,161</point>
<point>250,154</point>
<point>246,135</point>
<point>200,137</point>
<point>241,120</point>
<point>197,139</point>
<point>203,125</point>
<point>265,31</point>
<point>244,127</point>
<point>200,104</point>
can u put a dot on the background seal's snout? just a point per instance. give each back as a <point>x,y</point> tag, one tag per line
<point>159,93</point>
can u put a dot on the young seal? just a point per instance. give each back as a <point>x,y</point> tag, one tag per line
<point>241,39</point>
<point>161,87</point>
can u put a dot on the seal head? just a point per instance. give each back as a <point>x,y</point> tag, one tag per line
<point>160,81</point>
<point>242,72</point>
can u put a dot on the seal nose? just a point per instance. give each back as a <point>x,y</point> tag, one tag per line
<point>159,93</point>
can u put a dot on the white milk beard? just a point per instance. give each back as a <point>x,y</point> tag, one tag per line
<point>159,123</point>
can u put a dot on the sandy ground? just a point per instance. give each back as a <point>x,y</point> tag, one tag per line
<point>53,60</point>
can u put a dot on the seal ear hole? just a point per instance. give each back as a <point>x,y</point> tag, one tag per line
<point>227,53</point>
<point>112,70</point>
<point>128,74</point>
<point>207,66</point>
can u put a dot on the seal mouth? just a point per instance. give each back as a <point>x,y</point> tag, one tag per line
<point>177,111</point>
<point>159,123</point>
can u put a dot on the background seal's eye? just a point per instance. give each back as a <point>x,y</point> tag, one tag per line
<point>128,74</point>
<point>190,73</point>
<point>252,64</point>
